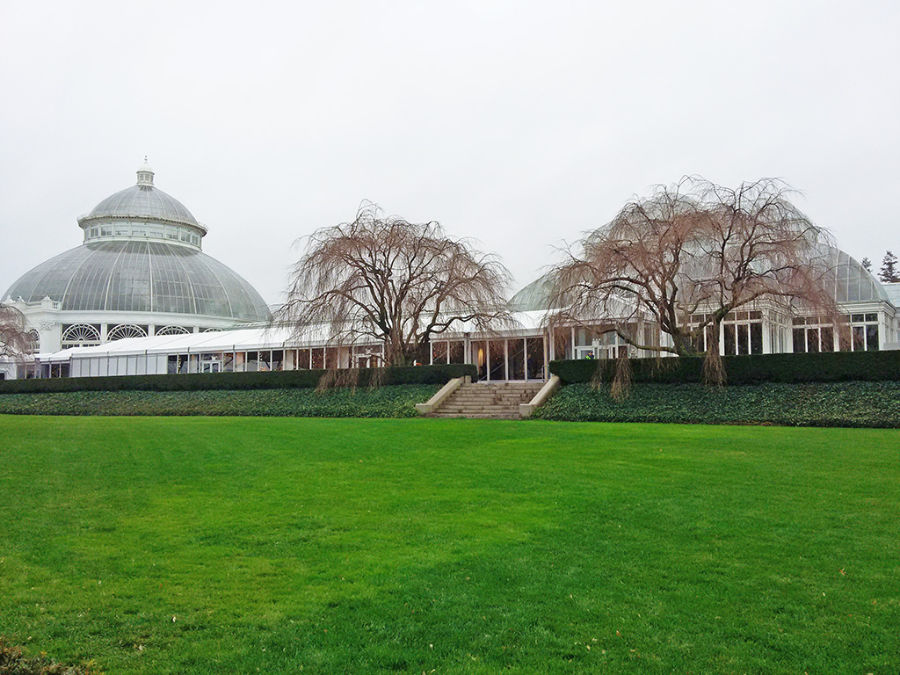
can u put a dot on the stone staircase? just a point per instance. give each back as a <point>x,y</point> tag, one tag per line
<point>488,400</point>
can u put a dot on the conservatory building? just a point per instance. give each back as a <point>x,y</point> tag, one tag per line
<point>518,352</point>
<point>139,296</point>
<point>140,272</point>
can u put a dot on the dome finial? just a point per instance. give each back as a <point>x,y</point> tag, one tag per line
<point>145,175</point>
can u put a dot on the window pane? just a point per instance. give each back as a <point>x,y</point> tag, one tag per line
<point>827,339</point>
<point>872,337</point>
<point>743,338</point>
<point>698,343</point>
<point>562,343</point>
<point>535,358</point>
<point>479,356</point>
<point>871,317</point>
<point>439,352</point>
<point>845,339</point>
<point>457,352</point>
<point>756,338</point>
<point>318,358</point>
<point>812,340</point>
<point>859,338</point>
<point>729,340</point>
<point>799,340</point>
<point>516,358</point>
<point>498,359</point>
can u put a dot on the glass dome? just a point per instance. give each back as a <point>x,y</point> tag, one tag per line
<point>142,254</point>
<point>141,276</point>
<point>142,201</point>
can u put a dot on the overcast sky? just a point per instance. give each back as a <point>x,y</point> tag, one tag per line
<point>521,124</point>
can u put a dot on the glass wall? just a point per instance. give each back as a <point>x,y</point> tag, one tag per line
<point>479,358</point>
<point>741,333</point>
<point>534,358</point>
<point>497,356</point>
<point>516,356</point>
<point>510,359</point>
<point>817,334</point>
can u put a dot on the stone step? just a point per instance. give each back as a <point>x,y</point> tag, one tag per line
<point>497,400</point>
<point>477,416</point>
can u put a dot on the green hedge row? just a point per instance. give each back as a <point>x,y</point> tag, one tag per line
<point>237,381</point>
<point>826,404</point>
<point>823,367</point>
<point>394,401</point>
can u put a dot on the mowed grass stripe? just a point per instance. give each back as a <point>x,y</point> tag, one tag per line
<point>460,545</point>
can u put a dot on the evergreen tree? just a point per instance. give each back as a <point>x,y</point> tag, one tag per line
<point>867,264</point>
<point>888,272</point>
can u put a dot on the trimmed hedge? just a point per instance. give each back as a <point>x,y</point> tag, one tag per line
<point>285,379</point>
<point>394,401</point>
<point>824,404</point>
<point>789,368</point>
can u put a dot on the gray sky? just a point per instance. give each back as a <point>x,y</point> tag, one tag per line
<point>519,124</point>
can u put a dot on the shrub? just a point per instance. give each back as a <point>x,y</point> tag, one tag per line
<point>831,404</point>
<point>392,401</point>
<point>789,368</point>
<point>237,381</point>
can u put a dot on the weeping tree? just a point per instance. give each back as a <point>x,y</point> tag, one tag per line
<point>383,279</point>
<point>14,339</point>
<point>684,258</point>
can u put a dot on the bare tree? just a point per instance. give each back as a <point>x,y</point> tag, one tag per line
<point>389,281</point>
<point>687,256</point>
<point>14,339</point>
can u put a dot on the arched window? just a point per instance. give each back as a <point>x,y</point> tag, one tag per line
<point>173,330</point>
<point>80,335</point>
<point>125,330</point>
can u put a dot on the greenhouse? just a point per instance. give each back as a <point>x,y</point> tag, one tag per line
<point>139,296</point>
<point>139,272</point>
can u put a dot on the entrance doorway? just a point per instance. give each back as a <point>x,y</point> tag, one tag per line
<point>517,359</point>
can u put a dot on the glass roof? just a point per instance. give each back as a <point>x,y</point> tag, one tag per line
<point>141,276</point>
<point>142,201</point>
<point>852,284</point>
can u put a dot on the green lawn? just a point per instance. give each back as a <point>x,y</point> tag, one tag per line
<point>267,544</point>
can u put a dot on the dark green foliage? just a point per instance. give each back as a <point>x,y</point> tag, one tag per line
<point>835,404</point>
<point>16,660</point>
<point>823,367</point>
<point>234,381</point>
<point>392,401</point>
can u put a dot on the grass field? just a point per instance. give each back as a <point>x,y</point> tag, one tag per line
<point>267,545</point>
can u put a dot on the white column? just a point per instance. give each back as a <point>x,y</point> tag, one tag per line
<point>506,359</point>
